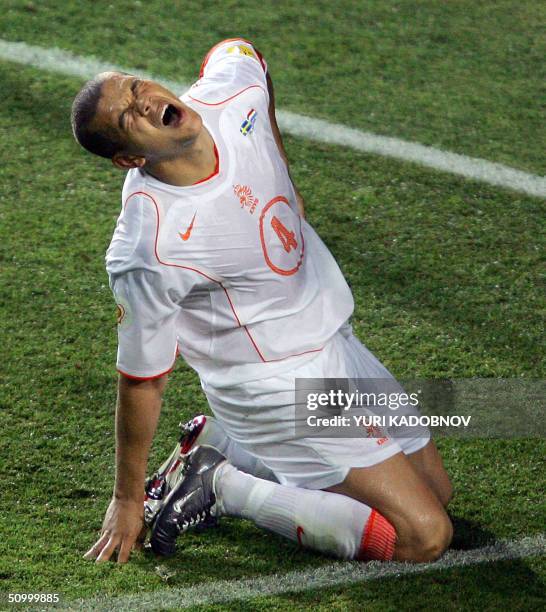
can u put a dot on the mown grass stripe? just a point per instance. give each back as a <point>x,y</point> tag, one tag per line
<point>331,575</point>
<point>57,60</point>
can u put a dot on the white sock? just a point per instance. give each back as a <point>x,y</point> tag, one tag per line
<point>214,435</point>
<point>327,522</point>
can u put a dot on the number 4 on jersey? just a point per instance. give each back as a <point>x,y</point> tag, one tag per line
<point>285,235</point>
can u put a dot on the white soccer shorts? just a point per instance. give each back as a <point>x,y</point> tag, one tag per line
<point>259,416</point>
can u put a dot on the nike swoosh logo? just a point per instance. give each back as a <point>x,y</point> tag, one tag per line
<point>185,236</point>
<point>177,506</point>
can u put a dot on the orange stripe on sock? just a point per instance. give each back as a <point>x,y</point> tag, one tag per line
<point>378,539</point>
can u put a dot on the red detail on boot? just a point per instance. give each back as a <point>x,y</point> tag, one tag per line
<point>194,428</point>
<point>378,539</point>
<point>173,468</point>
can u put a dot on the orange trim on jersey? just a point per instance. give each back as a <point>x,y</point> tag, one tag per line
<point>131,377</point>
<point>227,99</point>
<point>317,350</point>
<point>216,168</point>
<point>228,40</point>
<point>165,263</point>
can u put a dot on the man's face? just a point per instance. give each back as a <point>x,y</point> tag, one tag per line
<point>149,118</point>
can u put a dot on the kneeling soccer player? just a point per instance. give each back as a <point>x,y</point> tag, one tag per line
<point>212,259</point>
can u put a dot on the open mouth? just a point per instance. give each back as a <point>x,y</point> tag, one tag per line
<point>171,116</point>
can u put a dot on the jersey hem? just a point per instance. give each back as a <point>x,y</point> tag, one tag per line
<point>152,377</point>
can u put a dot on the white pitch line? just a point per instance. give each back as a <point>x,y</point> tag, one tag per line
<point>331,575</point>
<point>56,60</point>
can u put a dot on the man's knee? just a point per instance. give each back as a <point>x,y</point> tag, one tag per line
<point>430,538</point>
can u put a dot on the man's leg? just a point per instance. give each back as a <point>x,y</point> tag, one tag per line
<point>423,530</point>
<point>398,492</point>
<point>426,462</point>
<point>323,521</point>
<point>406,511</point>
<point>408,522</point>
<point>429,465</point>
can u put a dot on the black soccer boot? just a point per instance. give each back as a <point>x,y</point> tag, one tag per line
<point>192,501</point>
<point>160,484</point>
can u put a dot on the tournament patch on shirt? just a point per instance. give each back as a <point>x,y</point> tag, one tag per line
<point>248,123</point>
<point>242,50</point>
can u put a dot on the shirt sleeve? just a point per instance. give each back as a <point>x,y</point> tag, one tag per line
<point>147,337</point>
<point>235,60</point>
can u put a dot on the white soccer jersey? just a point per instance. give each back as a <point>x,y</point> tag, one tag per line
<point>224,272</point>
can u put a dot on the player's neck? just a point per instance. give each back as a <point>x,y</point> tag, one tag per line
<point>197,163</point>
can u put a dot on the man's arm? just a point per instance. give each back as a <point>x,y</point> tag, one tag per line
<point>278,140</point>
<point>137,414</point>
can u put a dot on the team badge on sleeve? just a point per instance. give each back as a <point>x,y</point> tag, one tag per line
<point>120,313</point>
<point>123,312</point>
<point>248,124</point>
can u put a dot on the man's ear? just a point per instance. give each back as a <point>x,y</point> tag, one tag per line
<point>126,162</point>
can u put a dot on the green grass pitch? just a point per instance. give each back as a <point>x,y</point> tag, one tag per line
<point>445,272</point>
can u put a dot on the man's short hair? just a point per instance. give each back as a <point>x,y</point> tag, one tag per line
<point>84,109</point>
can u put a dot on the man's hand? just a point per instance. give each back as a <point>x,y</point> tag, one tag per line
<point>121,530</point>
<point>137,412</point>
